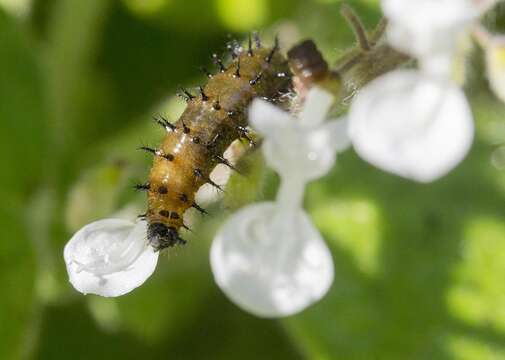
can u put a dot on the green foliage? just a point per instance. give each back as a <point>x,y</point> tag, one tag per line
<point>419,268</point>
<point>21,145</point>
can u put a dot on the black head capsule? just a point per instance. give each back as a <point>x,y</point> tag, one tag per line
<point>161,236</point>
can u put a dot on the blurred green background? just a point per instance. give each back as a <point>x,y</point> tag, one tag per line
<point>419,269</point>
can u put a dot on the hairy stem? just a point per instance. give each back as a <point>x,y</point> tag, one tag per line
<point>356,25</point>
<point>372,57</point>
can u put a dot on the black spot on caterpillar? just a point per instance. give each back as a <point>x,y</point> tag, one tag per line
<point>195,144</point>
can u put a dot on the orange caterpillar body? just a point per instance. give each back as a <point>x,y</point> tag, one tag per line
<point>195,144</point>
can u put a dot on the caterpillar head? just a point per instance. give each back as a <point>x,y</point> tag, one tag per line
<point>161,236</point>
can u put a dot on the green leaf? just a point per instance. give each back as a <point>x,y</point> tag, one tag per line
<point>22,112</point>
<point>22,144</point>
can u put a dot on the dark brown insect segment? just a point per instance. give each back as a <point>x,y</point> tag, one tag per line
<point>309,69</point>
<point>212,120</point>
<point>307,62</point>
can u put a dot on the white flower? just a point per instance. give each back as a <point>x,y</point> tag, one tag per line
<point>271,272</point>
<point>412,125</point>
<point>305,147</point>
<point>418,123</point>
<point>269,258</point>
<point>426,27</point>
<point>109,257</point>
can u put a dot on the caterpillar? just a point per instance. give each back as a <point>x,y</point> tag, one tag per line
<point>194,145</point>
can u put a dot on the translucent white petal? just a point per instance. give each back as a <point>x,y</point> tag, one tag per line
<point>440,65</point>
<point>267,269</point>
<point>304,147</point>
<point>423,44</point>
<point>109,257</point>
<point>421,15</point>
<point>301,153</point>
<point>485,5</point>
<point>265,117</point>
<point>411,125</point>
<point>337,132</point>
<point>317,104</point>
<point>424,27</point>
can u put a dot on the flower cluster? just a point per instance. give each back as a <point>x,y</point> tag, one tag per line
<point>269,258</point>
<point>418,123</point>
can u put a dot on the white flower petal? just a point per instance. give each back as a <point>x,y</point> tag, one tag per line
<point>304,147</point>
<point>317,103</point>
<point>426,43</point>
<point>265,117</point>
<point>268,272</point>
<point>305,155</point>
<point>424,27</point>
<point>411,125</point>
<point>109,257</point>
<point>425,14</point>
<point>481,6</point>
<point>337,132</point>
<point>440,65</point>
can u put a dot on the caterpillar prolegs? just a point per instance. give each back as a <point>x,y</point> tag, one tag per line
<point>195,144</point>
